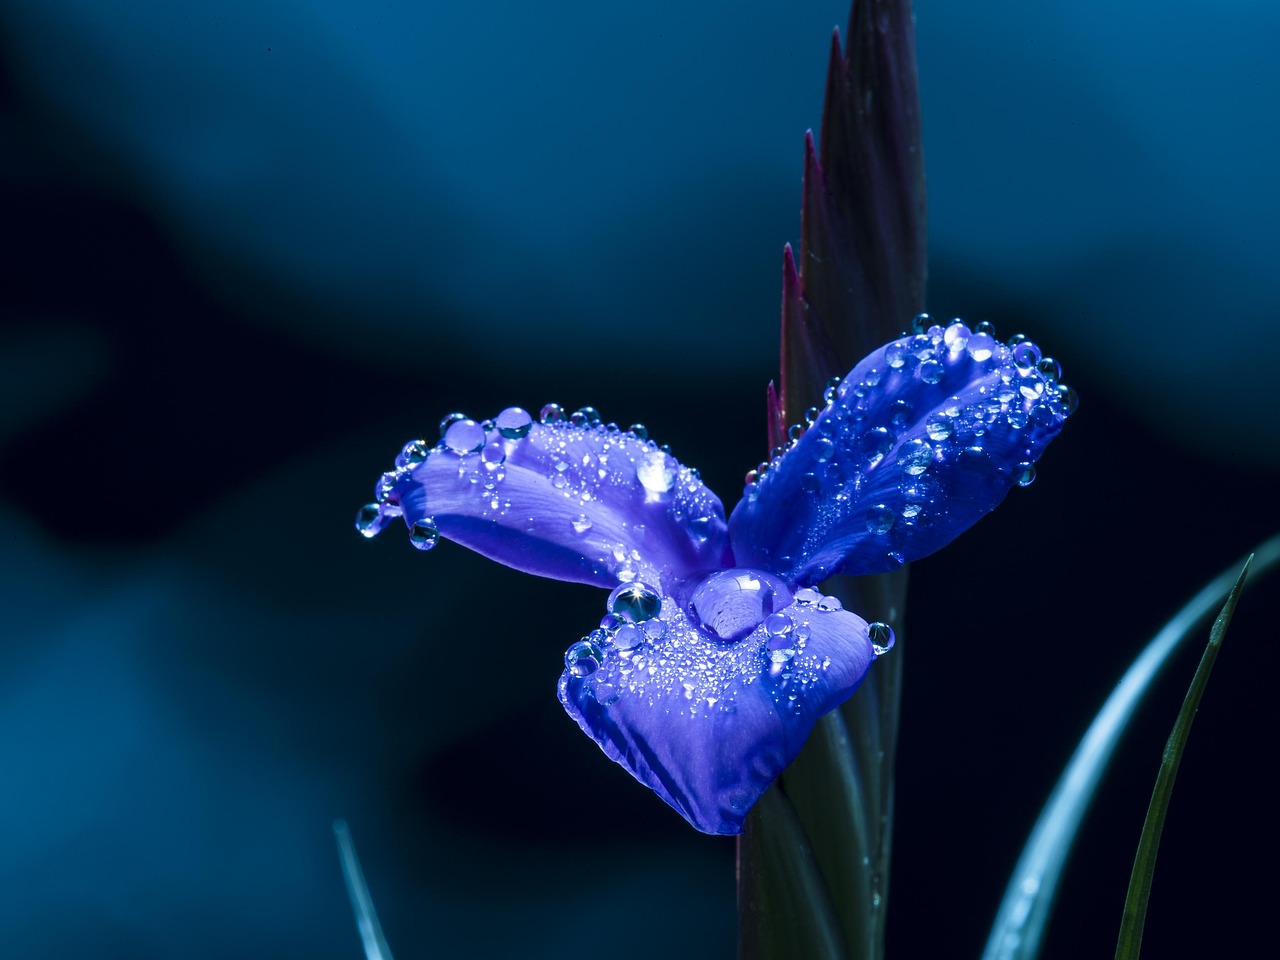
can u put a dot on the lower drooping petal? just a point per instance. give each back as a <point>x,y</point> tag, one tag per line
<point>709,724</point>
<point>923,438</point>
<point>568,499</point>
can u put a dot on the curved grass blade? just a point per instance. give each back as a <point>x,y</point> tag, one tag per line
<point>1129,943</point>
<point>375,944</point>
<point>1024,910</point>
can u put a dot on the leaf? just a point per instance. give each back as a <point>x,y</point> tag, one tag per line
<point>375,944</point>
<point>1028,900</point>
<point>784,909</point>
<point>1129,943</point>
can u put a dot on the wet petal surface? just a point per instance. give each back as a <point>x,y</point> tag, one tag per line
<point>567,498</point>
<point>708,724</point>
<point>923,438</point>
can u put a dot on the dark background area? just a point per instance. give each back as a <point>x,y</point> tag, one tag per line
<point>249,250</point>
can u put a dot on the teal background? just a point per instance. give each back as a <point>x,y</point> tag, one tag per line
<point>250,249</point>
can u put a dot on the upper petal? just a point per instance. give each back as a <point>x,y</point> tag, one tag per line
<point>575,501</point>
<point>707,724</point>
<point>923,437</point>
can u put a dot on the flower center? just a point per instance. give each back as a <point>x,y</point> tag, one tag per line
<point>731,603</point>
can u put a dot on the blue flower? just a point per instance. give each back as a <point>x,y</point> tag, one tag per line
<point>716,654</point>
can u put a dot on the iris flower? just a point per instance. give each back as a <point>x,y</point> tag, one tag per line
<point>717,653</point>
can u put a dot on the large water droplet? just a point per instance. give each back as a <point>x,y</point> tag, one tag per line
<point>882,638</point>
<point>656,472</point>
<point>781,647</point>
<point>930,371</point>
<point>914,457</point>
<point>778,624</point>
<point>415,451</point>
<point>981,345</point>
<point>582,523</point>
<point>635,602</point>
<point>1024,474</point>
<point>583,658</point>
<point>448,420</point>
<point>494,453</point>
<point>938,427</point>
<point>552,413</point>
<point>824,449</point>
<point>514,423</point>
<point>956,336</point>
<point>628,637</point>
<point>368,520</point>
<point>424,534</point>
<point>1025,357</point>
<point>639,431</point>
<point>1070,401</point>
<point>830,604</point>
<point>464,436</point>
<point>806,596</point>
<point>732,603</point>
<point>895,355</point>
<point>1049,368</point>
<point>879,519</point>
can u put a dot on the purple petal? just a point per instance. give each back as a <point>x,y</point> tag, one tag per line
<point>707,724</point>
<point>923,437</point>
<point>574,501</point>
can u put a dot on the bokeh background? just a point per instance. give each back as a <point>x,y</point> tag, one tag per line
<point>251,248</point>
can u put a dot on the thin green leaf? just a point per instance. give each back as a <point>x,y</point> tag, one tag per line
<point>784,909</point>
<point>1028,900</point>
<point>1129,943</point>
<point>375,944</point>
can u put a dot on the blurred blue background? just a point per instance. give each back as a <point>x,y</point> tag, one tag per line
<point>251,248</point>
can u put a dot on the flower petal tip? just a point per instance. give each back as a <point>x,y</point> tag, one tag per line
<point>708,699</point>
<point>920,440</point>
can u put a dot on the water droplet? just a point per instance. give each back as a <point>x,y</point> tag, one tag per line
<point>882,638</point>
<point>1070,400</point>
<point>895,355</point>
<point>656,472</point>
<point>1031,387</point>
<point>801,632</point>
<point>424,534</point>
<point>640,431</point>
<point>731,603</point>
<point>1025,356</point>
<point>415,451</point>
<point>609,622</point>
<point>1024,474</point>
<point>811,415</point>
<point>901,418</point>
<point>585,417</point>
<point>1050,368</point>
<point>981,345</point>
<point>654,630</point>
<point>930,371</point>
<point>583,658</point>
<point>986,327</point>
<point>795,431</point>
<point>807,596</point>
<point>824,449</point>
<point>448,420</point>
<point>635,602</point>
<point>830,604</point>
<point>914,457</point>
<point>367,520</point>
<point>493,453</point>
<point>777,624</point>
<point>552,413</point>
<point>628,637</point>
<point>879,519</point>
<point>582,523</point>
<point>832,390</point>
<point>938,427</point>
<point>514,423</point>
<point>921,322</point>
<point>781,648</point>
<point>386,485</point>
<point>956,336</point>
<point>464,436</point>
